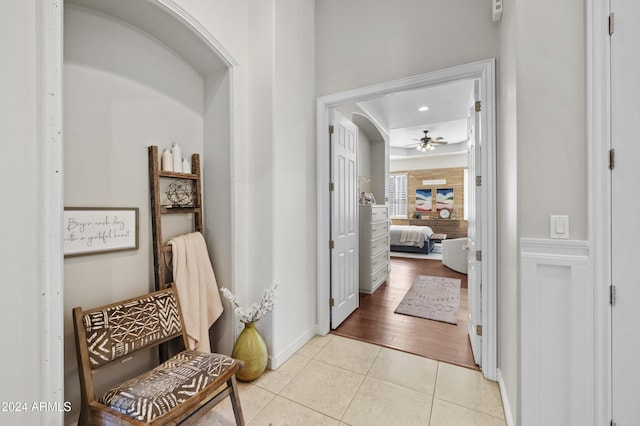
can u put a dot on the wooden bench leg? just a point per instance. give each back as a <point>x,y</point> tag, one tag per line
<point>235,401</point>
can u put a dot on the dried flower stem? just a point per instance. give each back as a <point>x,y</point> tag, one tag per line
<point>256,310</point>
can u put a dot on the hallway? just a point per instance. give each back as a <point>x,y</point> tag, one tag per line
<point>337,381</point>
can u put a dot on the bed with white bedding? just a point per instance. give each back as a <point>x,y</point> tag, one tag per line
<point>410,238</point>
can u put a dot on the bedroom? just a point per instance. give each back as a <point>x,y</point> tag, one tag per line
<point>436,173</point>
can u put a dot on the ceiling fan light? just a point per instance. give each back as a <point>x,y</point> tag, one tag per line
<point>423,147</point>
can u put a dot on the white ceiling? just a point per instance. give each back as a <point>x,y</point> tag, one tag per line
<point>446,117</point>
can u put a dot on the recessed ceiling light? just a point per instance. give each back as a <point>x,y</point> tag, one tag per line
<point>423,108</point>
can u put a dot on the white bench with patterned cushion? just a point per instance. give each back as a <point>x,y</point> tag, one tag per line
<point>179,390</point>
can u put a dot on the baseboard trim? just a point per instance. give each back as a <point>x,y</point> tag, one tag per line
<point>508,414</point>
<point>276,361</point>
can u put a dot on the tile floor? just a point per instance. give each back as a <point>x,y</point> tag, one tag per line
<point>335,381</point>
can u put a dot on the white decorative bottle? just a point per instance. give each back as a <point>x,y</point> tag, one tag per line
<point>186,166</point>
<point>166,161</point>
<point>177,157</point>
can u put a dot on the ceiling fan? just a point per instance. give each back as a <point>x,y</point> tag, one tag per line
<point>426,143</point>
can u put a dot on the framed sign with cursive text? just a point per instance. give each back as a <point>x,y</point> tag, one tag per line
<point>91,230</point>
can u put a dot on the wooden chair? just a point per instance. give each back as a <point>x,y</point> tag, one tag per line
<point>178,391</point>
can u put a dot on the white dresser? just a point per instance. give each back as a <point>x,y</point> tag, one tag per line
<point>374,247</point>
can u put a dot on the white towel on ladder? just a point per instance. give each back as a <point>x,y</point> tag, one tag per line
<point>197,288</point>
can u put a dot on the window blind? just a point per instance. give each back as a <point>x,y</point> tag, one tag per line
<point>398,196</point>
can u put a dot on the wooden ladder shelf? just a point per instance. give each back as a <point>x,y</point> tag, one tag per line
<point>158,210</point>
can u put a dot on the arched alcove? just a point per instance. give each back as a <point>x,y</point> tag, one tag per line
<point>376,159</point>
<point>139,73</point>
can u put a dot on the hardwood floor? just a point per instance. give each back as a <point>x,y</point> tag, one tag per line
<point>375,322</point>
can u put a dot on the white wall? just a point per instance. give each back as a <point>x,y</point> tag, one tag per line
<point>228,21</point>
<point>274,158</point>
<point>363,42</point>
<point>537,175</point>
<point>552,147</point>
<point>260,157</point>
<point>21,371</point>
<point>364,161</point>
<point>294,256</point>
<point>507,204</point>
<point>375,154</point>
<point>219,218</point>
<point>379,170</point>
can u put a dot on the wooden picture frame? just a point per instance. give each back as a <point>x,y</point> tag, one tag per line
<point>93,230</point>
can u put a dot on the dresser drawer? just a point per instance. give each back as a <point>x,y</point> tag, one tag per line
<point>379,244</point>
<point>379,213</point>
<point>379,229</point>
<point>373,246</point>
<point>379,276</point>
<point>379,259</point>
<point>445,227</point>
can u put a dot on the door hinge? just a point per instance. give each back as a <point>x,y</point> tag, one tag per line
<point>478,180</point>
<point>331,244</point>
<point>331,302</point>
<point>612,295</point>
<point>611,24</point>
<point>478,106</point>
<point>612,159</point>
<point>612,423</point>
<point>331,129</point>
<point>479,329</point>
<point>332,187</point>
<point>479,255</point>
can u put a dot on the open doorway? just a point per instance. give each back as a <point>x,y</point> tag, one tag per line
<point>446,113</point>
<point>482,73</point>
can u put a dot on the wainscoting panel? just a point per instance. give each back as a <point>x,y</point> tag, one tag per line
<point>556,333</point>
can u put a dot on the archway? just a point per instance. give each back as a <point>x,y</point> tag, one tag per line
<point>179,32</point>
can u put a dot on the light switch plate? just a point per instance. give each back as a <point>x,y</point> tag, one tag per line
<point>559,225</point>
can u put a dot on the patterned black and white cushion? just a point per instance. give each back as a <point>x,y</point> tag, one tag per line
<point>118,330</point>
<point>155,392</point>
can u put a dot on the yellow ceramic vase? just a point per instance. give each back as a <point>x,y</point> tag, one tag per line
<point>252,349</point>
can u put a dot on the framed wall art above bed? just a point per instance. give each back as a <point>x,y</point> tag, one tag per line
<point>424,200</point>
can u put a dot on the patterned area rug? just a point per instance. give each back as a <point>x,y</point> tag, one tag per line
<point>435,298</point>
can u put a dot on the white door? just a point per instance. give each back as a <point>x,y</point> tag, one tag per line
<point>474,272</point>
<point>625,95</point>
<point>344,218</point>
